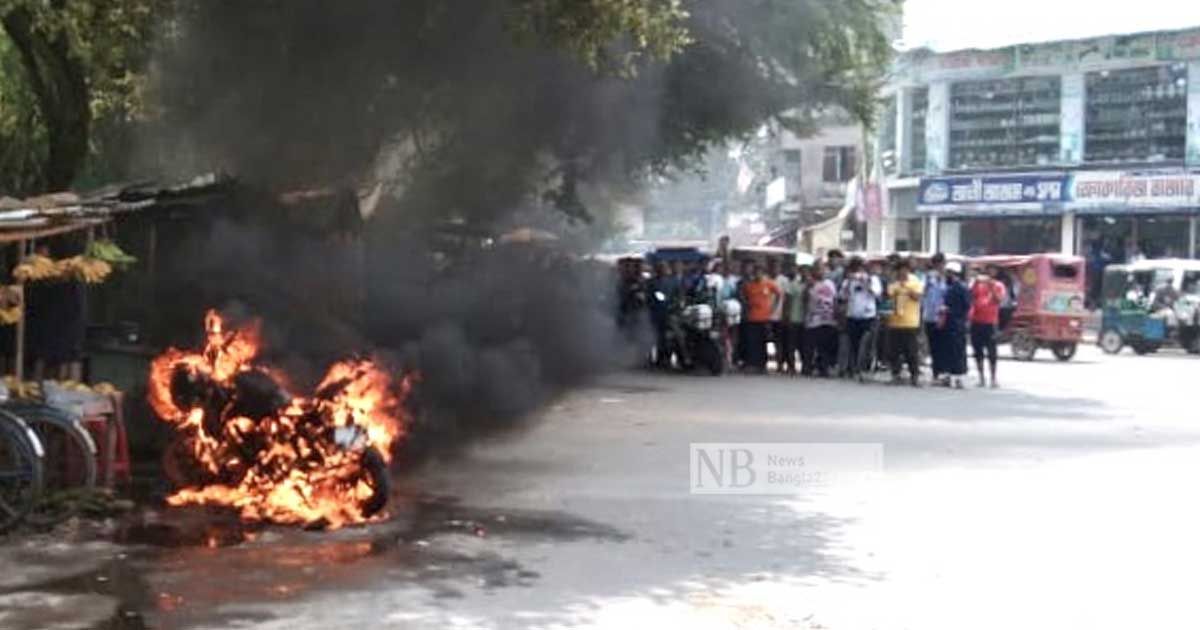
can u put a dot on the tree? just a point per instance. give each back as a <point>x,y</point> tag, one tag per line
<point>607,35</point>
<point>526,99</point>
<point>484,107</point>
<point>78,63</point>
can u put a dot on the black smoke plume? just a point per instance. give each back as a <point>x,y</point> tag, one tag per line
<point>434,103</point>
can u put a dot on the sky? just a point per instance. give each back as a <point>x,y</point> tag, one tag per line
<point>953,24</point>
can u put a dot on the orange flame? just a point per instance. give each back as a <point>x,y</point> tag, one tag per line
<point>287,467</point>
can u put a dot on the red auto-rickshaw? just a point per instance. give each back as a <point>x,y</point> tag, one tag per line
<point>1046,307</point>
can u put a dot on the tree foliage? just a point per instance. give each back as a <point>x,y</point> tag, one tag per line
<point>66,67</point>
<point>470,108</point>
<point>484,107</point>
<point>606,35</point>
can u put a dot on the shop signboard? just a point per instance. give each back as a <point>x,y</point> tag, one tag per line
<point>925,66</point>
<point>1083,191</point>
<point>1027,192</point>
<point>1118,190</point>
<point>1179,46</point>
<point>1110,51</point>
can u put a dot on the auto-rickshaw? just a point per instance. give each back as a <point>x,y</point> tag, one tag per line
<point>761,255</point>
<point>1151,304</point>
<point>673,254</point>
<point>1047,307</point>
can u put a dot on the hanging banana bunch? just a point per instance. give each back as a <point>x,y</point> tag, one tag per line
<point>35,267</point>
<point>10,305</point>
<point>84,268</point>
<point>94,266</point>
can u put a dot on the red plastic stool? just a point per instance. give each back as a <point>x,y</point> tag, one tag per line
<point>112,445</point>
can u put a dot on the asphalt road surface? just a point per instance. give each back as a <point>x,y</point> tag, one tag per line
<point>1065,499</point>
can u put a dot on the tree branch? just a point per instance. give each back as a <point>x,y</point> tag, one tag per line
<point>60,86</point>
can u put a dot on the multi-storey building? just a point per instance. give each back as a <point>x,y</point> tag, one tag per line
<point>815,172</point>
<point>1088,146</point>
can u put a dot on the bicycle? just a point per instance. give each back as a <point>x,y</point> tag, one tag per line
<point>21,470</point>
<point>68,462</point>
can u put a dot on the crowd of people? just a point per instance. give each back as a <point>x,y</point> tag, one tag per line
<point>837,317</point>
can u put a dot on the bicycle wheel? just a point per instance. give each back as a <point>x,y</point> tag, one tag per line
<point>20,470</point>
<point>69,463</point>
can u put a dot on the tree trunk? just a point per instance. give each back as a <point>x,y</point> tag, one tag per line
<point>59,82</point>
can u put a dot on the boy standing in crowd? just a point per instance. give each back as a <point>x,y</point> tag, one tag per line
<point>931,311</point>
<point>821,321</point>
<point>956,309</point>
<point>746,275</point>
<point>860,292</point>
<point>835,271</point>
<point>785,342</point>
<point>760,295</point>
<point>987,294</point>
<point>905,293</point>
<point>778,331</point>
<point>665,291</point>
<point>795,314</point>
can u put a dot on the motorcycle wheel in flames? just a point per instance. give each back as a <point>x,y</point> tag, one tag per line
<point>244,442</point>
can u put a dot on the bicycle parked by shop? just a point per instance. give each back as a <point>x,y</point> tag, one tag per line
<point>68,463</point>
<point>45,454</point>
<point>21,470</point>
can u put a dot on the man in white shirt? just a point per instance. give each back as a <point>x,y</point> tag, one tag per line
<point>860,291</point>
<point>778,331</point>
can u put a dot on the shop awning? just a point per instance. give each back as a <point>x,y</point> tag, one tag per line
<point>30,233</point>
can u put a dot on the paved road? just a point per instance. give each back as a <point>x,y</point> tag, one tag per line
<point>1063,500</point>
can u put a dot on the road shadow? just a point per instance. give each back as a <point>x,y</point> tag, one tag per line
<point>452,575</point>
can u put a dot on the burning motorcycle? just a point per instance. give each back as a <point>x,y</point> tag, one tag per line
<point>244,441</point>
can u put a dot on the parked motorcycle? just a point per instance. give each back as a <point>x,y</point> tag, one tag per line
<point>693,337</point>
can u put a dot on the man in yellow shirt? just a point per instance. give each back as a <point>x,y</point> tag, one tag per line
<point>903,325</point>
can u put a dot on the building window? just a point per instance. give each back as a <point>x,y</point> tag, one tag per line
<point>920,107</point>
<point>792,172</point>
<point>910,235</point>
<point>1195,227</point>
<point>1010,122</point>
<point>980,237</point>
<point>839,164</point>
<point>1121,238</point>
<point>1136,115</point>
<point>887,136</point>
<point>1164,236</point>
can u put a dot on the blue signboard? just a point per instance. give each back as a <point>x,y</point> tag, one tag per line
<point>1083,191</point>
<point>1016,192</point>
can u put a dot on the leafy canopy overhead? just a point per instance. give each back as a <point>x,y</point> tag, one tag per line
<point>468,108</point>
<point>606,35</point>
<point>68,72</point>
<point>484,107</point>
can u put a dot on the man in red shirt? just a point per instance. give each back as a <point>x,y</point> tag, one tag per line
<point>760,295</point>
<point>987,294</point>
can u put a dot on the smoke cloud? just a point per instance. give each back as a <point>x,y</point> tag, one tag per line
<point>493,334</point>
<point>464,129</point>
<point>434,98</point>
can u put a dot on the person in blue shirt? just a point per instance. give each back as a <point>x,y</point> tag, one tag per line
<point>665,293</point>
<point>931,312</point>
<point>693,282</point>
